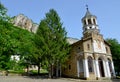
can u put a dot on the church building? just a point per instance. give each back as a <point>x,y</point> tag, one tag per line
<point>90,57</point>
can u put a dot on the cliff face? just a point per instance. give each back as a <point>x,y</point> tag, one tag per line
<point>25,23</point>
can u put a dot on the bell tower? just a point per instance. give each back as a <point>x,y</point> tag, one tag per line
<point>89,22</point>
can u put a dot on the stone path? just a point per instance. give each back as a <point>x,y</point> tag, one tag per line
<point>37,79</point>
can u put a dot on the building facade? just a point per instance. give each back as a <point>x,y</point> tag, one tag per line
<point>90,57</point>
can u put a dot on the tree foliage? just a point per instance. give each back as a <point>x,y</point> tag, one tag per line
<point>115,50</point>
<point>3,13</point>
<point>48,46</point>
<point>13,41</point>
<point>51,40</point>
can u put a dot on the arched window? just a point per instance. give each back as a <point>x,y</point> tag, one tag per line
<point>90,64</point>
<point>106,50</point>
<point>94,21</point>
<point>84,22</point>
<point>89,21</point>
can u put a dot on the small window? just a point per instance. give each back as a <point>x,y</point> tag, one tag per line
<point>88,46</point>
<point>106,50</point>
<point>90,27</point>
<point>69,67</point>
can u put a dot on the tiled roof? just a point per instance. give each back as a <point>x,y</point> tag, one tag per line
<point>72,40</point>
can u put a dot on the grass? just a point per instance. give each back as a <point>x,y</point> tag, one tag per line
<point>31,72</point>
<point>17,72</point>
<point>118,77</point>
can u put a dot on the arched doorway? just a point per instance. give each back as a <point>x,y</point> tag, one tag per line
<point>81,65</point>
<point>110,66</point>
<point>101,68</point>
<point>90,64</point>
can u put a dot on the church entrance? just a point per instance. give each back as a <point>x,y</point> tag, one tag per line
<point>101,68</point>
<point>110,67</point>
<point>80,67</point>
<point>90,64</point>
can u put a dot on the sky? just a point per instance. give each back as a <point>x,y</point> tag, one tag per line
<point>71,13</point>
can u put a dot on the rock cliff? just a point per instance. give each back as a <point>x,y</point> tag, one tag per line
<point>25,23</point>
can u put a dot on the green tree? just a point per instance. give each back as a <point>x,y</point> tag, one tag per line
<point>52,42</point>
<point>3,13</point>
<point>115,50</point>
<point>40,42</point>
<point>14,41</point>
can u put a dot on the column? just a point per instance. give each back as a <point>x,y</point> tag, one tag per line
<point>86,21</point>
<point>86,72</point>
<point>97,69</point>
<point>96,21</point>
<point>113,70</point>
<point>92,20</point>
<point>94,68</point>
<point>108,69</point>
<point>78,68</point>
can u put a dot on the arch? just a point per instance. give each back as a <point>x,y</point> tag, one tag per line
<point>101,67</point>
<point>106,49</point>
<point>94,21</point>
<point>103,58</point>
<point>110,66</point>
<point>85,22</point>
<point>89,21</point>
<point>80,60</point>
<point>90,64</point>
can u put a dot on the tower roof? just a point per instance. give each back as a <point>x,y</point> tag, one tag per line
<point>88,13</point>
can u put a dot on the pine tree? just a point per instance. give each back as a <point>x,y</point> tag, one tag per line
<point>52,41</point>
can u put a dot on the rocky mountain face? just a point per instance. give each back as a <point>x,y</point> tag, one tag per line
<point>25,23</point>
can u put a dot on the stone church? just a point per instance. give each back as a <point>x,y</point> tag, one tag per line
<point>90,57</point>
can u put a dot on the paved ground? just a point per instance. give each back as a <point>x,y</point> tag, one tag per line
<point>38,79</point>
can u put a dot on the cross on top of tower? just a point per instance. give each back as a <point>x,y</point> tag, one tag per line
<point>87,7</point>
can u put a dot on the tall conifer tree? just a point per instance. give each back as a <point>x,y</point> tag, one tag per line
<point>52,41</point>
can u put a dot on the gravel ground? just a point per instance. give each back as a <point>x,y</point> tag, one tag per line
<point>29,79</point>
<point>38,79</point>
